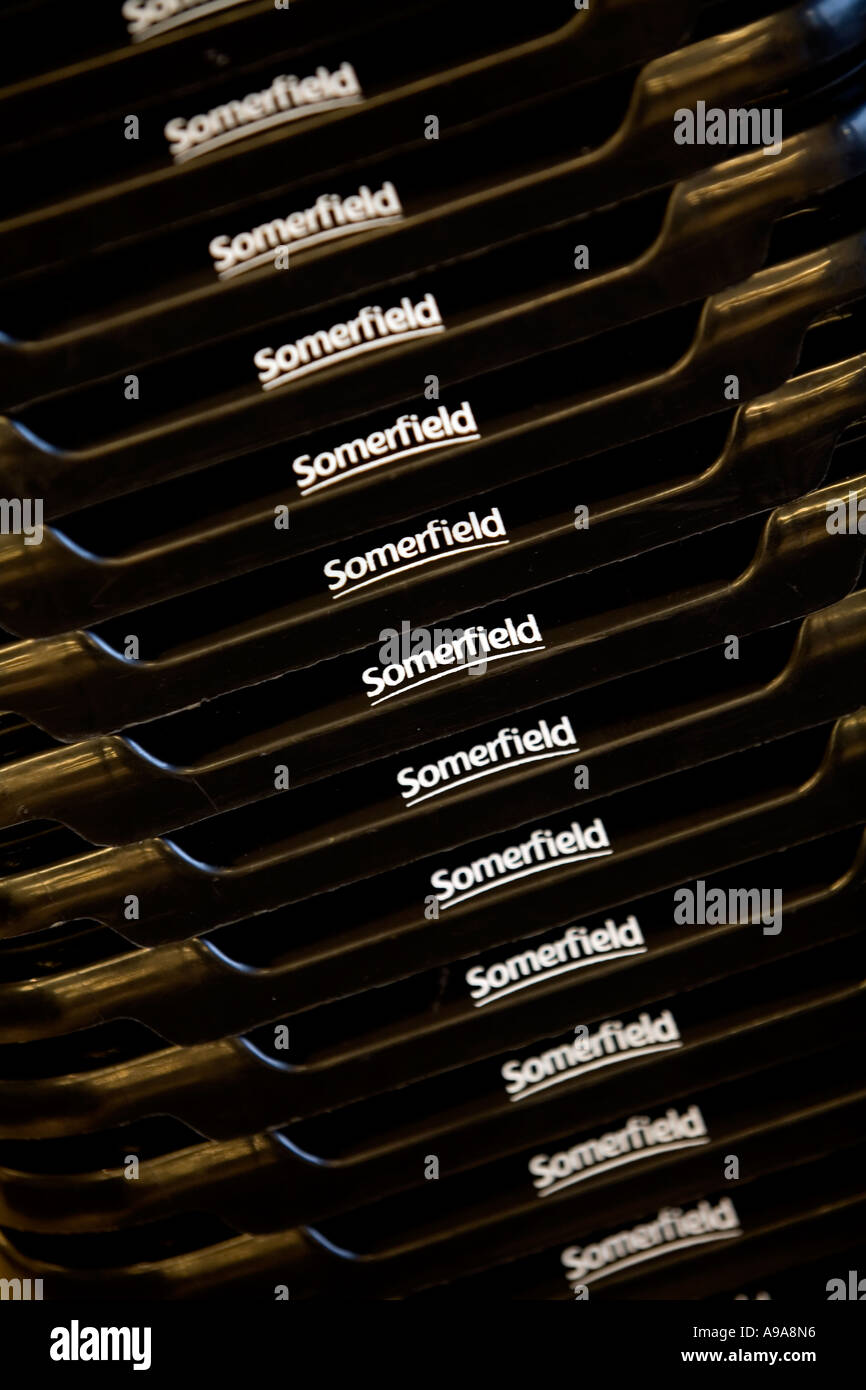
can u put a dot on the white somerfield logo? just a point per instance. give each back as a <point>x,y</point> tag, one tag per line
<point>147,18</point>
<point>407,437</point>
<point>439,540</point>
<point>640,1137</point>
<point>543,850</point>
<point>287,99</point>
<point>77,1343</point>
<point>673,1229</point>
<point>331,217</point>
<point>373,328</point>
<point>576,949</point>
<point>613,1042</point>
<point>510,748</point>
<point>472,649</point>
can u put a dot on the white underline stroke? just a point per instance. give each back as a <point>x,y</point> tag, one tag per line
<point>295,113</point>
<point>609,1164</point>
<point>428,560</point>
<point>160,26</point>
<point>582,1068</point>
<point>524,873</point>
<point>344,353</point>
<point>490,771</point>
<point>540,979</point>
<point>452,670</point>
<point>667,1249</point>
<point>388,458</point>
<point>304,243</point>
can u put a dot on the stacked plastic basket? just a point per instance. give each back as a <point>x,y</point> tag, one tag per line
<point>433,771</point>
